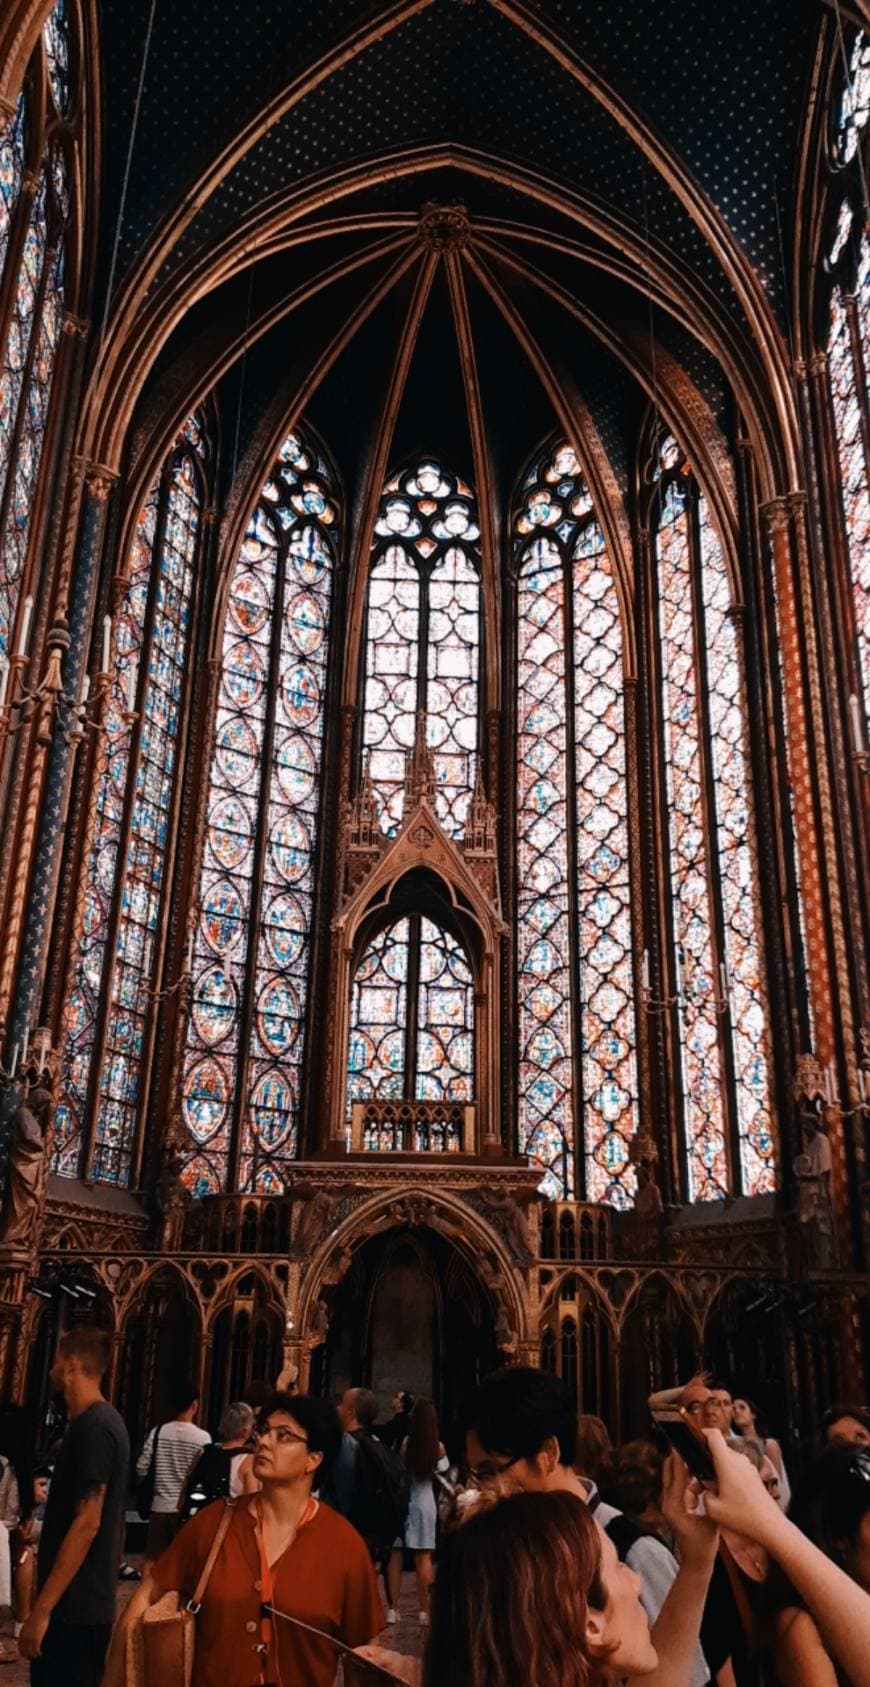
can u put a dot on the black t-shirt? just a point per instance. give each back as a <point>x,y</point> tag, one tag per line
<point>95,1453</point>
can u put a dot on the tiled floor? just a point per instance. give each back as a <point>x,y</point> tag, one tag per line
<point>406,1636</point>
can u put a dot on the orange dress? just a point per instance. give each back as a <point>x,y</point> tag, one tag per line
<point>325,1577</point>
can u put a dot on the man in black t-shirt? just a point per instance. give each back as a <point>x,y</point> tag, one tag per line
<point>68,1630</point>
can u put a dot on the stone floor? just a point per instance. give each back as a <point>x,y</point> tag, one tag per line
<point>406,1636</point>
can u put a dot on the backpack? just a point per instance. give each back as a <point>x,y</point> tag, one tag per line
<point>209,1480</point>
<point>382,1490</point>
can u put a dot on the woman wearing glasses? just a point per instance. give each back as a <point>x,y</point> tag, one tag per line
<point>282,1548</point>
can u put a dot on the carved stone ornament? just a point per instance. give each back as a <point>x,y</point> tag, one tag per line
<point>808,1084</point>
<point>444,228</point>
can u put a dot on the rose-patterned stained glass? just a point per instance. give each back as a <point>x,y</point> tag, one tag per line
<point>393,1055</point>
<point>261,838</point>
<point>700,1050</point>
<point>848,381</point>
<point>423,640</point>
<point>55,36</point>
<point>129,1008</point>
<point>737,877</point>
<point>25,380</point>
<point>576,1012</point>
<point>148,663</point>
<point>855,102</point>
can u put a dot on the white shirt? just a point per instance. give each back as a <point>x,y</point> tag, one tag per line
<point>657,1567</point>
<point>179,1446</point>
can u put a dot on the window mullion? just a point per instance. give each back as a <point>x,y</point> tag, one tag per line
<point>578,1148</point>
<point>104,1008</point>
<point>412,1006</point>
<point>261,844</point>
<point>711,830</point>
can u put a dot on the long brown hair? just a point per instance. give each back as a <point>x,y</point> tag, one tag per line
<point>509,1606</point>
<point>421,1447</point>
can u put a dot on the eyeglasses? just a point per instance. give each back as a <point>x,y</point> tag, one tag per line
<point>490,1472</point>
<point>282,1435</point>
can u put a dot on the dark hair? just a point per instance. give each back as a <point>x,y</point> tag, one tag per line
<point>594,1445</point>
<point>365,1405</point>
<point>320,1421</point>
<point>829,1503</point>
<point>185,1396</point>
<point>90,1346</point>
<point>516,1409</point>
<point>633,1478</point>
<point>407,1400</point>
<point>509,1606</point>
<point>421,1452</point>
<point>859,1413</point>
<point>42,1473</point>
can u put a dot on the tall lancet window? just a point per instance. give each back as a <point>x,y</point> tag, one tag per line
<point>423,640</point>
<point>713,885</point>
<point>252,945</point>
<point>109,1017</point>
<point>34,216</point>
<point>848,260</point>
<point>578,1088</point>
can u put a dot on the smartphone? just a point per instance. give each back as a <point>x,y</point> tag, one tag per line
<point>687,1441</point>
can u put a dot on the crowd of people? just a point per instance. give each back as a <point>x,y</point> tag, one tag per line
<point>543,1555</point>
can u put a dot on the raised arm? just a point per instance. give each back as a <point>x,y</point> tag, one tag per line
<point>676,1631</point>
<point>840,1607</point>
<point>73,1551</point>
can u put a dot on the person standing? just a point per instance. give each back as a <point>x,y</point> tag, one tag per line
<point>394,1431</point>
<point>179,1444</point>
<point>282,1547</point>
<point>223,1468</point>
<point>423,1455</point>
<point>67,1632</point>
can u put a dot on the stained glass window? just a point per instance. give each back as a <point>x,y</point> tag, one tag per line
<point>848,351</point>
<point>245,1044</point>
<point>721,1005</point>
<point>576,1009</point>
<point>427,1055</point>
<point>133,812</point>
<point>854,107</point>
<point>27,358</point>
<point>423,640</point>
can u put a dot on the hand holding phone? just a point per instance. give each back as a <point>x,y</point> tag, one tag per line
<point>687,1440</point>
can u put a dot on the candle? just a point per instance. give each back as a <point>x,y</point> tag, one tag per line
<point>107,643</point>
<point>857,725</point>
<point>723,980</point>
<point>14,1063</point>
<point>86,689</point>
<point>131,688</point>
<point>4,679</point>
<point>24,1046</point>
<point>26,613</point>
<point>829,1085</point>
<point>644,973</point>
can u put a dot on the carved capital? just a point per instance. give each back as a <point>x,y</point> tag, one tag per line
<point>29,181</point>
<point>99,480</point>
<point>777,514</point>
<point>75,326</point>
<point>818,363</point>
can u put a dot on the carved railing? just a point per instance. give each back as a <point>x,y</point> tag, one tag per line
<point>576,1231</point>
<point>412,1127</point>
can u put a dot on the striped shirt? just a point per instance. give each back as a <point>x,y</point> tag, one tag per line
<point>178,1448</point>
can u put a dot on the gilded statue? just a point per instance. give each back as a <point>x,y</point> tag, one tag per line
<point>25,1176</point>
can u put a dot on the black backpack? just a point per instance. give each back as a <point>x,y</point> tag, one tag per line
<point>209,1480</point>
<point>382,1489</point>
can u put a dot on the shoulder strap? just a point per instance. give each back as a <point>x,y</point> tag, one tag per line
<point>194,1603</point>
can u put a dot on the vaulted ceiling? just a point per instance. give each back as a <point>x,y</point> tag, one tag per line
<point>427,218</point>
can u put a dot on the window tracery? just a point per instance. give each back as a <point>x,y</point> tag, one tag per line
<point>715,919</point>
<point>576,1011</point>
<point>32,233</point>
<point>109,1010</point>
<point>412,1017</point>
<point>423,640</point>
<point>252,941</point>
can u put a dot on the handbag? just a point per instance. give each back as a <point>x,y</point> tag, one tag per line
<point>160,1646</point>
<point>145,1487</point>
